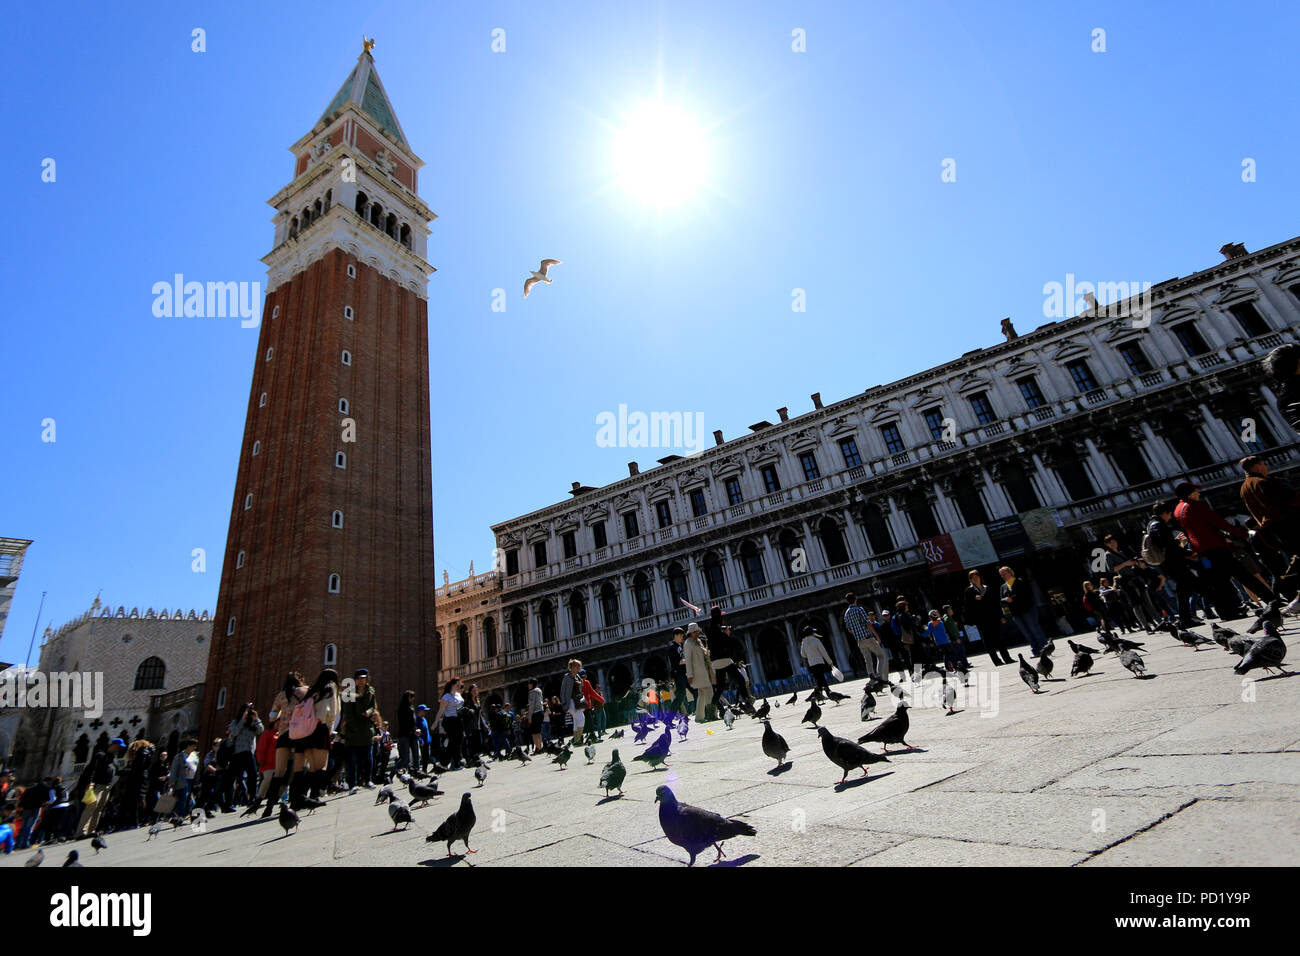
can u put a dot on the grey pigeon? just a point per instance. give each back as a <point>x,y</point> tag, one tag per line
<point>385,795</point>
<point>794,699</point>
<point>868,704</point>
<point>613,774</point>
<point>563,756</point>
<point>1267,652</point>
<point>1133,662</point>
<point>694,829</point>
<point>774,744</point>
<point>847,755</point>
<point>288,818</point>
<point>1082,647</point>
<point>399,812</point>
<point>728,717</point>
<point>1082,663</point>
<point>762,711</point>
<point>1239,644</point>
<point>518,754</point>
<point>814,714</point>
<point>1221,634</point>
<point>590,751</point>
<point>892,730</point>
<point>424,792</point>
<point>97,841</point>
<point>1193,640</point>
<point>1272,614</point>
<point>1045,665</point>
<point>835,697</point>
<point>481,771</point>
<point>36,859</point>
<point>1048,649</point>
<point>154,831</point>
<point>658,751</point>
<point>1028,674</point>
<point>456,827</point>
<point>616,735</point>
<point>949,696</point>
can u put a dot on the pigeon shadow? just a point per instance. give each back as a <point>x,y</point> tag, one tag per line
<point>907,750</point>
<point>1146,676</point>
<point>738,861</point>
<point>784,768</point>
<point>609,799</point>
<point>1260,680</point>
<point>446,861</point>
<point>955,712</point>
<point>860,781</point>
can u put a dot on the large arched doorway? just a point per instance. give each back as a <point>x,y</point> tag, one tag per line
<point>773,653</point>
<point>832,542</point>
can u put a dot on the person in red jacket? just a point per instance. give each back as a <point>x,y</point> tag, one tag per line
<point>265,757</point>
<point>1211,538</point>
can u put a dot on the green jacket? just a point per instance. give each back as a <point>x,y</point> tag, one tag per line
<point>356,726</point>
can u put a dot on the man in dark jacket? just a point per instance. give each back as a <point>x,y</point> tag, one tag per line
<point>1019,600</point>
<point>1174,561</point>
<point>408,748</point>
<point>983,608</point>
<point>99,770</point>
<point>722,646</point>
<point>34,799</point>
<point>358,730</point>
<point>677,669</point>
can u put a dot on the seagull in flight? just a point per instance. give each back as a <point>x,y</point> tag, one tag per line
<point>540,275</point>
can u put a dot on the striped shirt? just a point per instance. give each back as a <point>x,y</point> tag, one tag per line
<point>859,625</point>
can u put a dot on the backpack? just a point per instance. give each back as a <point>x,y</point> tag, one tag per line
<point>302,723</point>
<point>1152,552</point>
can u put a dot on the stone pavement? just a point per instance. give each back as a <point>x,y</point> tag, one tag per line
<point>1194,766</point>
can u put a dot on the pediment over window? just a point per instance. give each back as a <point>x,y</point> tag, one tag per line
<point>1177,313</point>
<point>1288,273</point>
<point>727,467</point>
<point>885,414</point>
<point>536,532</point>
<point>763,453</point>
<point>805,438</point>
<point>1019,367</point>
<point>593,515</point>
<point>972,382</point>
<point>1069,351</point>
<point>840,426</point>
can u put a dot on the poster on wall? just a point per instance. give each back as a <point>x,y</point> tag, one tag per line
<point>940,555</point>
<point>1044,528</point>
<point>1008,536</point>
<point>974,547</point>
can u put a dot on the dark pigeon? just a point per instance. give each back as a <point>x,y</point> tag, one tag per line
<point>763,711</point>
<point>1045,665</point>
<point>1272,614</point>
<point>1267,652</point>
<point>868,704</point>
<point>1133,662</point>
<point>424,792</point>
<point>399,813</point>
<point>74,859</point>
<point>836,697</point>
<point>847,755</point>
<point>794,699</point>
<point>694,829</point>
<point>1193,640</point>
<point>1028,674</point>
<point>288,818</point>
<point>1082,663</point>
<point>97,841</point>
<point>1082,647</point>
<point>814,714</point>
<point>616,735</point>
<point>456,827</point>
<point>518,754</point>
<point>892,730</point>
<point>658,751</point>
<point>613,774</point>
<point>774,744</point>
<point>385,795</point>
<point>1048,649</point>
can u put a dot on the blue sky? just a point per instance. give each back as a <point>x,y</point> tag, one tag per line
<point>824,175</point>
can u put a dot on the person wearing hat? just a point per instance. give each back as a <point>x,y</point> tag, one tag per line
<point>425,756</point>
<point>699,673</point>
<point>358,729</point>
<point>1162,550</point>
<point>812,650</point>
<point>1211,537</point>
<point>98,773</point>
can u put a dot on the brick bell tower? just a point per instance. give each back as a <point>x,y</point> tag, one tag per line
<point>329,558</point>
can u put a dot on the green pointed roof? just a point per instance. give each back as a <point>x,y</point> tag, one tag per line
<point>364,88</point>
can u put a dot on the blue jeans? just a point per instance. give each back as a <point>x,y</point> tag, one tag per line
<point>183,795</point>
<point>25,834</point>
<point>1030,628</point>
<point>359,759</point>
<point>407,753</point>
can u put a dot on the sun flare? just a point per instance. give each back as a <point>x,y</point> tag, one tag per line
<point>660,155</point>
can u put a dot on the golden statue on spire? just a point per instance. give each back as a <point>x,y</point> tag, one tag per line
<point>366,44</point>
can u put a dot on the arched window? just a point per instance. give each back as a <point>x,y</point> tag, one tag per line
<point>877,528</point>
<point>376,214</point>
<point>346,357</point>
<point>329,196</point>
<point>248,501</point>
<point>261,401</point>
<point>405,235</point>
<point>230,626</point>
<point>149,675</point>
<point>390,226</point>
<point>546,617</point>
<point>293,227</point>
<point>578,612</point>
<point>316,210</point>
<point>257,448</point>
<point>644,597</point>
<point>275,312</point>
<point>715,580</point>
<point>269,352</point>
<point>343,406</point>
<point>347,312</point>
<point>340,460</point>
<point>969,503</point>
<point>609,604</point>
<point>331,655</point>
<point>462,645</point>
<point>751,560</point>
<point>239,560</point>
<point>1018,487</point>
<point>335,584</point>
<point>832,541</point>
<point>788,542</point>
<point>352,271</point>
<point>676,585</point>
<point>490,636</point>
<point>221,699</point>
<point>336,519</point>
<point>922,514</point>
<point>518,633</point>
<point>360,207</point>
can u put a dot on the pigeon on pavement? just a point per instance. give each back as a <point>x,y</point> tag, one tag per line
<point>1045,665</point>
<point>424,792</point>
<point>97,841</point>
<point>835,697</point>
<point>590,753</point>
<point>694,829</point>
<point>563,756</point>
<point>814,714</point>
<point>847,755</point>
<point>399,813</point>
<point>456,827</point>
<point>1267,652</point>
<point>1133,662</point>
<point>658,751</point>
<point>616,735</point>
<point>481,772</point>
<point>74,859</point>
<point>1082,661</point>
<point>1028,674</point>
<point>37,858</point>
<point>949,696</point>
<point>1193,640</point>
<point>868,703</point>
<point>288,818</point>
<point>518,754</point>
<point>892,730</point>
<point>1082,647</point>
<point>774,744</point>
<point>385,795</point>
<point>729,717</point>
<point>762,711</point>
<point>613,774</point>
<point>794,699</point>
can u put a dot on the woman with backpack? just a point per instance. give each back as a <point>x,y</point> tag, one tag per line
<point>278,718</point>
<point>315,712</point>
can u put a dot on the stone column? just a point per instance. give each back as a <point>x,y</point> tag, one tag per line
<point>1108,478</point>
<point>796,662</point>
<point>899,528</point>
<point>1049,488</point>
<point>771,561</point>
<point>1166,466</point>
<point>839,640</point>
<point>854,539</point>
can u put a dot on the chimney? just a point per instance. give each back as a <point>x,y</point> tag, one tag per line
<point>784,412</point>
<point>1233,250</point>
<point>817,400</point>
<point>576,486</point>
<point>717,437</point>
<point>1009,330</point>
<point>632,469</point>
<point>1090,302</point>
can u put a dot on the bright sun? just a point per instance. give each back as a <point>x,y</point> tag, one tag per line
<point>660,155</point>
